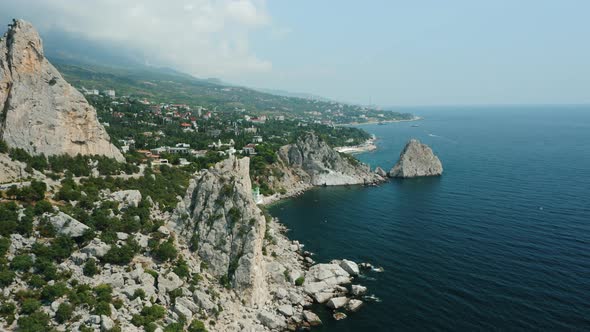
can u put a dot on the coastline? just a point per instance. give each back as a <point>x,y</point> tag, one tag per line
<point>368,145</point>
<point>416,118</point>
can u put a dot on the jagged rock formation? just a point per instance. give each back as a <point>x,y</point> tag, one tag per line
<point>311,160</point>
<point>416,159</point>
<point>221,220</point>
<point>39,111</point>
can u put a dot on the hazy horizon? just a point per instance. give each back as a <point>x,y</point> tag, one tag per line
<point>388,53</point>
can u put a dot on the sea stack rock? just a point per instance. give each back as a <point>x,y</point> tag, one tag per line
<point>416,160</point>
<point>39,111</point>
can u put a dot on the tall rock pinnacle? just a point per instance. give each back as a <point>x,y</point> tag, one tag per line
<point>39,111</point>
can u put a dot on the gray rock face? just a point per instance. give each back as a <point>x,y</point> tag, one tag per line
<point>416,160</point>
<point>11,170</point>
<point>317,163</point>
<point>220,214</point>
<point>40,111</point>
<point>126,198</point>
<point>66,225</point>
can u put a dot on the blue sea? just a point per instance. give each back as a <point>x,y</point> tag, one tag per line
<point>500,242</point>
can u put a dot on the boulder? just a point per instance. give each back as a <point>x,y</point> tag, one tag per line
<point>286,310</point>
<point>330,274</point>
<point>203,300</point>
<point>358,290</point>
<point>337,302</point>
<point>416,160</point>
<point>168,282</point>
<point>271,320</point>
<point>350,267</point>
<point>126,198</point>
<point>106,323</point>
<point>66,225</point>
<point>312,318</point>
<point>354,305</point>
<point>339,315</point>
<point>96,248</point>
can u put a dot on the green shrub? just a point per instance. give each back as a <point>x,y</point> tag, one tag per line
<point>35,322</point>
<point>82,294</point>
<point>52,292</point>
<point>21,263</point>
<point>174,327</point>
<point>122,255</point>
<point>4,245</point>
<point>165,251</point>
<point>29,306</point>
<point>7,310</point>
<point>42,207</point>
<point>197,326</point>
<point>148,315</point>
<point>102,308</point>
<point>90,268</point>
<point>6,277</point>
<point>299,281</point>
<point>64,312</point>
<point>181,268</point>
<point>103,292</point>
<point>139,293</point>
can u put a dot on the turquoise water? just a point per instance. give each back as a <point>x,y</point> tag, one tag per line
<point>500,242</point>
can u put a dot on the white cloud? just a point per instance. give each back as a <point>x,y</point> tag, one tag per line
<point>207,38</point>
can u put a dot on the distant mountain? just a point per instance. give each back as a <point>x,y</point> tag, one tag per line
<point>303,95</point>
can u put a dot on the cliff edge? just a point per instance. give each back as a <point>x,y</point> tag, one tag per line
<point>39,111</point>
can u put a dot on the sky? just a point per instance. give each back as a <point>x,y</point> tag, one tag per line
<point>382,52</point>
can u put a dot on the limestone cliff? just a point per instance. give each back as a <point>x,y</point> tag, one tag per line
<point>311,160</point>
<point>222,222</point>
<point>39,111</point>
<point>416,160</point>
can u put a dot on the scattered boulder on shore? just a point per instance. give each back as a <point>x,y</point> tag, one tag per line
<point>354,305</point>
<point>350,267</point>
<point>358,290</point>
<point>312,318</point>
<point>337,302</point>
<point>416,160</point>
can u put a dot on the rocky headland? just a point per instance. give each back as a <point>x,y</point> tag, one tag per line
<point>415,160</point>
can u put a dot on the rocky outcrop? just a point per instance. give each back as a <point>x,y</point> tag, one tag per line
<point>66,225</point>
<point>222,222</point>
<point>10,170</point>
<point>39,111</point>
<point>416,160</point>
<point>311,160</point>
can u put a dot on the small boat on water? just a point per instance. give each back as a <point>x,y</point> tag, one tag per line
<point>381,123</point>
<point>415,126</point>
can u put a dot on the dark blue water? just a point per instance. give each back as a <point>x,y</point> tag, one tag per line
<point>500,242</point>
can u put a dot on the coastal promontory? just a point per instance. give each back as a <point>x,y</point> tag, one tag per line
<point>415,160</point>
